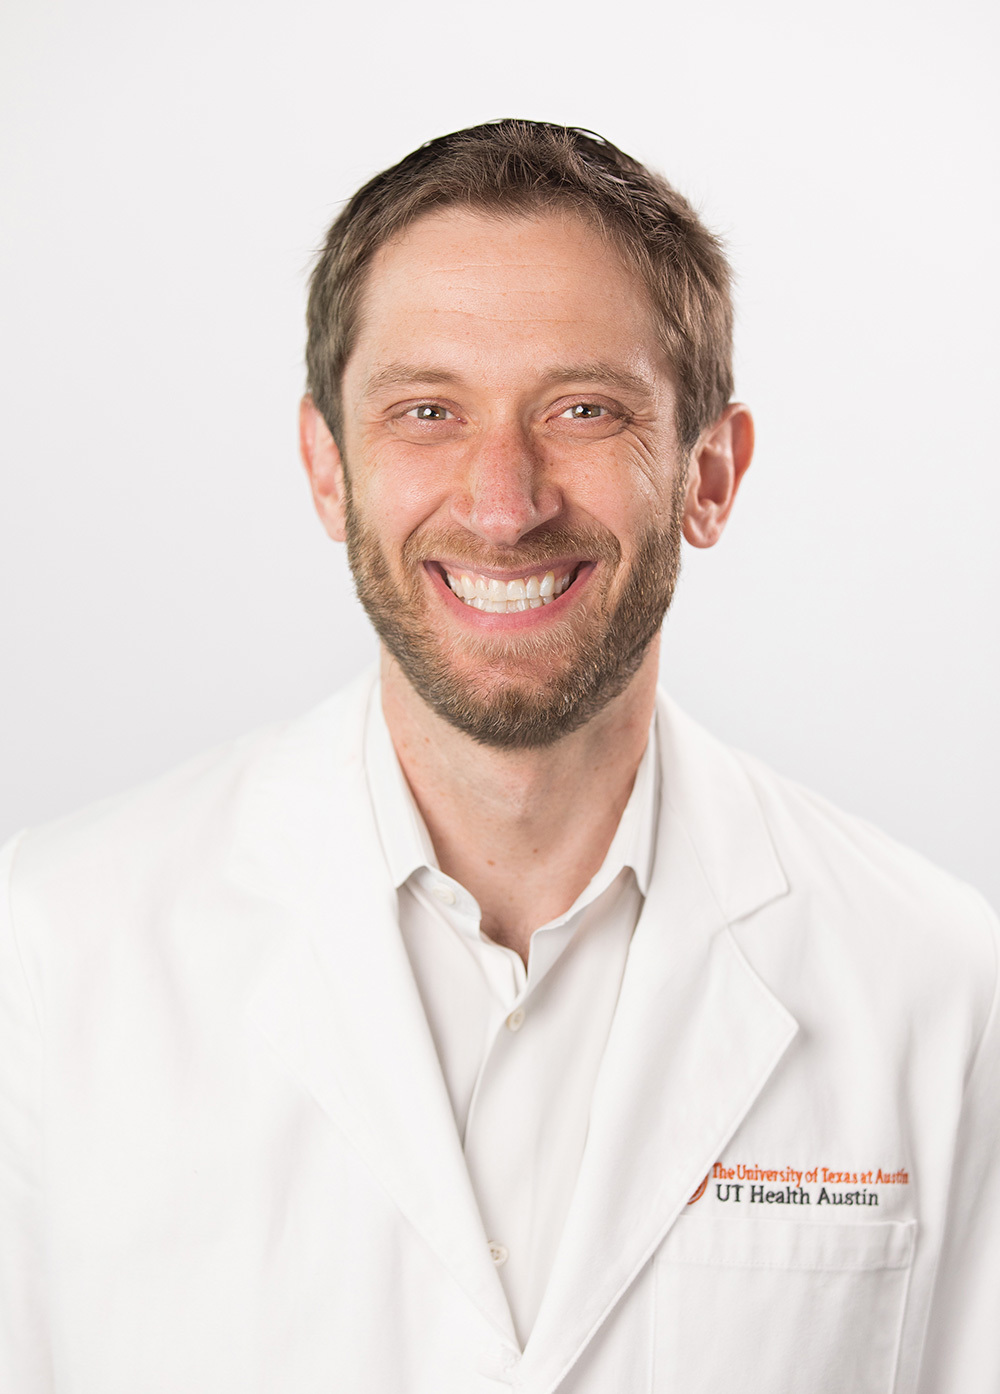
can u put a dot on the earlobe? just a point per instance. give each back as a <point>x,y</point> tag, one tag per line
<point>718,463</point>
<point>324,466</point>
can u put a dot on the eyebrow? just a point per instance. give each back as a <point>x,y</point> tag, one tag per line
<point>404,374</point>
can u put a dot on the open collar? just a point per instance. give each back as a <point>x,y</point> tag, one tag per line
<point>406,843</point>
<point>695,1037</point>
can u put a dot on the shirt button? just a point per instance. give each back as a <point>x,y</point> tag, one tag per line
<point>516,1019</point>
<point>444,893</point>
<point>498,1253</point>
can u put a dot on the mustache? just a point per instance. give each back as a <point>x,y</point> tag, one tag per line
<point>534,549</point>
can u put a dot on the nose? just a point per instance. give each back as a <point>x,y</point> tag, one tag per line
<point>507,493</point>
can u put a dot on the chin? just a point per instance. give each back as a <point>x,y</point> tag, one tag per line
<point>510,713</point>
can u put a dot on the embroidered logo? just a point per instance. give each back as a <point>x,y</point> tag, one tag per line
<point>755,1185</point>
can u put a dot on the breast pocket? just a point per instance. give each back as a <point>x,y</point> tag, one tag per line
<point>778,1307</point>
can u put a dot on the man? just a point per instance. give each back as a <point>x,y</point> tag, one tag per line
<point>493,1026</point>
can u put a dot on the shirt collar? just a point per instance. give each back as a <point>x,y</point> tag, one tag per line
<point>401,829</point>
<point>406,842</point>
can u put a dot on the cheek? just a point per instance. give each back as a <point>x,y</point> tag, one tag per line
<point>625,490</point>
<point>654,467</point>
<point>398,491</point>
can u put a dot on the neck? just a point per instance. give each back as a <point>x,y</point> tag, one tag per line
<point>523,830</point>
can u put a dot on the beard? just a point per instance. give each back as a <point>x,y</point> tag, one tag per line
<point>519,690</point>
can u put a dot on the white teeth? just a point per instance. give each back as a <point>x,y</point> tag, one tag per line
<point>507,597</point>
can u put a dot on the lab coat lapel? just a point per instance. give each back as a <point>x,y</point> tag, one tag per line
<point>337,1000</point>
<point>695,1037</point>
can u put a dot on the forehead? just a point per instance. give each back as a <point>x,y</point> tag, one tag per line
<point>475,285</point>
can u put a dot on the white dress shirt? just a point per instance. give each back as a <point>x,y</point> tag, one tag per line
<point>519,1046</point>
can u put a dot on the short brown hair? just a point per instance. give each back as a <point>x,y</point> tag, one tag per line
<point>514,167</point>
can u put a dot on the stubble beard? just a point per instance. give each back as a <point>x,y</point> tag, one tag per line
<point>577,665</point>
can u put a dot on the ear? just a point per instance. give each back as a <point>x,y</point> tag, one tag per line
<point>321,457</point>
<point>718,463</point>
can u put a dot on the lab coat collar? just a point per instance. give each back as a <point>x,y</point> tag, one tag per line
<point>695,1036</point>
<point>337,999</point>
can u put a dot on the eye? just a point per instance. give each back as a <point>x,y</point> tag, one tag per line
<point>428,411</point>
<point>585,411</point>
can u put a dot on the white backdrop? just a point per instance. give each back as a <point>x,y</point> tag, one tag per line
<point>169,169</point>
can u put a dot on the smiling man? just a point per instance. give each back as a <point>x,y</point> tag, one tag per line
<point>493,1025</point>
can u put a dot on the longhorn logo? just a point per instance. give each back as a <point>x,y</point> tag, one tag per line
<point>699,1192</point>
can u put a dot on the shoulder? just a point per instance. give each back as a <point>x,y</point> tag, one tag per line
<point>871,922</point>
<point>839,853</point>
<point>883,924</point>
<point>852,891</point>
<point>171,825</point>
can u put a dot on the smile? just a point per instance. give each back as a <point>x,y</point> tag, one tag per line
<point>507,597</point>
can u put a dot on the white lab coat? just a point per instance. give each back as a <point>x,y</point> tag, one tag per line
<point>228,1163</point>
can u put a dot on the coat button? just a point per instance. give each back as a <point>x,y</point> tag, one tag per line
<point>498,1253</point>
<point>516,1019</point>
<point>500,1367</point>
